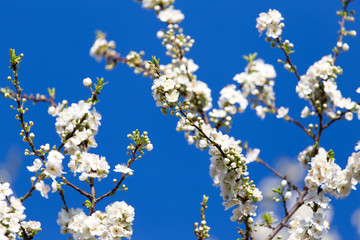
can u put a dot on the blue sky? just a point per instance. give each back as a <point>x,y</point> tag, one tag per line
<point>168,183</point>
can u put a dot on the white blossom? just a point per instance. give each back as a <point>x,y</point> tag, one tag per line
<point>271,22</point>
<point>43,188</point>
<point>123,169</point>
<point>5,190</point>
<point>171,15</point>
<point>282,112</point>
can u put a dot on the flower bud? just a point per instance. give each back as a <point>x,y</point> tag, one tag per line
<point>51,110</point>
<point>349,116</point>
<point>287,195</point>
<point>345,47</point>
<point>352,33</point>
<point>87,82</point>
<point>149,147</point>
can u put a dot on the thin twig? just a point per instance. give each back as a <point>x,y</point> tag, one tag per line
<point>297,205</point>
<point>124,175</point>
<point>82,192</point>
<point>293,186</point>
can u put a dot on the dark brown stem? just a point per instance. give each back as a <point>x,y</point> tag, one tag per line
<point>37,98</point>
<point>93,196</point>
<point>284,205</point>
<point>62,195</point>
<point>28,194</point>
<point>82,192</point>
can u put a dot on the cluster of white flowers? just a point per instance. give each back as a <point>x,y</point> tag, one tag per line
<point>325,173</point>
<point>78,121</point>
<point>271,22</point>
<point>54,164</point>
<point>311,228</point>
<point>229,97</point>
<point>164,9</point>
<point>228,166</point>
<point>155,4</point>
<point>133,59</point>
<point>101,47</point>
<point>53,169</point>
<point>12,224</point>
<point>171,15</point>
<point>164,92</point>
<point>324,177</point>
<point>179,76</point>
<point>89,165</point>
<point>121,168</point>
<point>115,223</point>
<point>256,84</point>
<point>319,80</point>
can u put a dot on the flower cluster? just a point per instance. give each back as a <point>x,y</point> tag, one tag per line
<point>102,48</point>
<point>325,173</point>
<point>319,81</point>
<point>164,9</point>
<point>89,165</point>
<point>171,15</point>
<point>114,223</point>
<point>155,4</point>
<point>179,76</point>
<point>271,22</point>
<point>324,177</point>
<point>133,59</point>
<point>164,92</point>
<point>311,228</point>
<point>12,224</point>
<point>256,84</point>
<point>76,125</point>
<point>228,166</point>
<point>182,69</point>
<point>229,97</point>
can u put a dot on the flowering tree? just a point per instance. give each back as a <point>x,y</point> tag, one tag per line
<point>178,92</point>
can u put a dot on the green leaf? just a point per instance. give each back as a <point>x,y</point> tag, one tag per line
<point>88,204</point>
<point>330,154</point>
<point>12,54</point>
<point>267,218</point>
